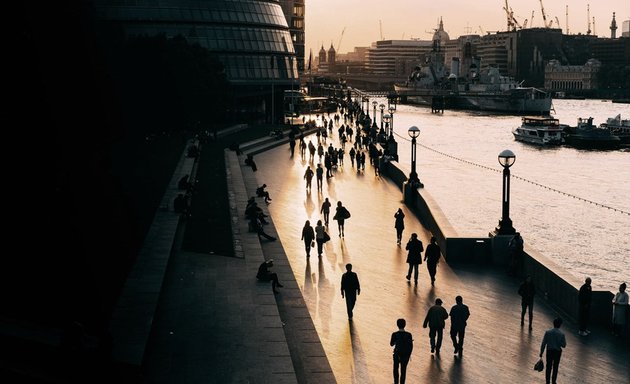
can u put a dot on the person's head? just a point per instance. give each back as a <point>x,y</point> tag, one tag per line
<point>587,281</point>
<point>319,222</point>
<point>557,322</point>
<point>414,235</point>
<point>433,239</point>
<point>348,267</point>
<point>339,203</point>
<point>622,287</point>
<point>399,210</point>
<point>528,278</point>
<point>264,185</point>
<point>438,301</point>
<point>458,299</point>
<point>401,323</point>
<point>269,263</point>
<point>307,223</point>
<point>326,199</point>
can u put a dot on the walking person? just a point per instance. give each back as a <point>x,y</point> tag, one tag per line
<point>308,176</point>
<point>264,274</point>
<point>311,151</point>
<point>402,341</point>
<point>292,146</point>
<point>620,310</point>
<point>435,319</point>
<point>527,290</point>
<point>320,233</point>
<point>414,256</point>
<point>432,257</point>
<point>341,215</point>
<point>584,306</point>
<point>350,288</point>
<point>459,315</point>
<point>302,147</point>
<point>399,224</point>
<point>515,247</point>
<point>554,340</point>
<point>352,153</point>
<point>325,210</point>
<point>319,172</point>
<point>308,235</point>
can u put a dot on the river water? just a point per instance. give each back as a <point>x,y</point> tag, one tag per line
<point>571,205</point>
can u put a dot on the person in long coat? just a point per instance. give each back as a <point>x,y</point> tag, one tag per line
<point>432,257</point>
<point>308,235</point>
<point>399,224</point>
<point>414,257</point>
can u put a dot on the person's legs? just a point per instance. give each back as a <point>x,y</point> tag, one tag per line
<point>415,273</point>
<point>403,370</point>
<point>523,309</point>
<point>438,343</point>
<point>307,247</point>
<point>409,271</point>
<point>460,345</point>
<point>396,364</point>
<point>432,332</point>
<point>320,243</point>
<point>549,363</point>
<point>531,313</point>
<point>326,217</point>
<point>556,363</point>
<point>350,300</point>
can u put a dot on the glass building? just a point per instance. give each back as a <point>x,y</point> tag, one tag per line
<point>250,37</point>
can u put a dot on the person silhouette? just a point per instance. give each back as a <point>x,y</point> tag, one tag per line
<point>350,288</point>
<point>402,341</point>
<point>399,224</point>
<point>414,256</point>
<point>308,235</point>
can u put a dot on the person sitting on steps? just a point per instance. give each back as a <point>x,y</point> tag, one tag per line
<point>260,192</point>
<point>264,274</point>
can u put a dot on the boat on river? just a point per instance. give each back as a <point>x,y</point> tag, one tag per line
<point>618,127</point>
<point>431,84</point>
<point>539,130</point>
<point>586,135</point>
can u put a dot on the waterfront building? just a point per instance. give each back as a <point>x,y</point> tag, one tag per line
<point>294,11</point>
<point>395,57</point>
<point>625,28</point>
<point>322,63</point>
<point>529,50</point>
<point>463,49</point>
<point>611,51</point>
<point>250,37</point>
<point>572,78</point>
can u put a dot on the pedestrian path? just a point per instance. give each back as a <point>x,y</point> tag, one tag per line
<point>497,349</point>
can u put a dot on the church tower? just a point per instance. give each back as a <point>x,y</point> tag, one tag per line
<point>613,28</point>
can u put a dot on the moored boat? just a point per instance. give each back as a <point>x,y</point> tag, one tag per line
<point>588,136</point>
<point>539,130</point>
<point>619,128</point>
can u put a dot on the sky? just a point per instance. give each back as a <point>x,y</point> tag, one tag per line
<point>363,20</point>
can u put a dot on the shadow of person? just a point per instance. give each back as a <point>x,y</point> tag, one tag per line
<point>360,369</point>
<point>326,293</point>
<point>309,206</point>
<point>455,372</point>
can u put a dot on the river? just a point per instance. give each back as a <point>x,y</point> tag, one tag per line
<point>571,205</point>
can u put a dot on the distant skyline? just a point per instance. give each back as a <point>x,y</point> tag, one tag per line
<point>363,20</point>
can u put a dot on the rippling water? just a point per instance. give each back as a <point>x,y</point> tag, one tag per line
<point>587,239</point>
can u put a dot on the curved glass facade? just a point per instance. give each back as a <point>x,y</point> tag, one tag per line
<point>250,37</point>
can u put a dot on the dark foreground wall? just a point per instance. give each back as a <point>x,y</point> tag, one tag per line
<point>556,285</point>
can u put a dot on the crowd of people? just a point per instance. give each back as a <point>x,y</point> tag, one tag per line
<point>356,142</point>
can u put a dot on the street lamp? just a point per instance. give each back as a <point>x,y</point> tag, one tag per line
<point>506,159</point>
<point>367,106</point>
<point>386,119</point>
<point>382,107</point>
<point>392,109</point>
<point>374,104</point>
<point>414,132</point>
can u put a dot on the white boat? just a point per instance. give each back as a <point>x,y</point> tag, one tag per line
<point>539,130</point>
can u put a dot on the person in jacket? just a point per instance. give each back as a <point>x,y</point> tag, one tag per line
<point>432,257</point>
<point>350,288</point>
<point>459,315</point>
<point>308,235</point>
<point>527,290</point>
<point>435,319</point>
<point>402,341</point>
<point>620,310</point>
<point>584,306</point>
<point>554,340</point>
<point>399,224</point>
<point>414,257</point>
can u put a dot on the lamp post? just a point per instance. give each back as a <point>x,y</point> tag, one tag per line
<point>392,109</point>
<point>386,119</point>
<point>381,107</point>
<point>414,132</point>
<point>374,104</point>
<point>367,106</point>
<point>506,159</point>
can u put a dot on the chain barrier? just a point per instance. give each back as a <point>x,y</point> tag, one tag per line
<point>516,177</point>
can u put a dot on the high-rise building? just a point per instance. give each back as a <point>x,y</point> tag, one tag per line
<point>294,11</point>
<point>250,37</point>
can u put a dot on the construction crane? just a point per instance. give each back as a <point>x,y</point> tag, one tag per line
<point>525,24</point>
<point>510,24</point>
<point>594,30</point>
<point>340,37</point>
<point>567,17</point>
<point>481,29</point>
<point>558,22</point>
<point>515,22</point>
<point>531,21</point>
<point>588,19</point>
<point>542,11</point>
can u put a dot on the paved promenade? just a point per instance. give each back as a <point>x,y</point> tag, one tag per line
<point>216,324</point>
<point>497,349</point>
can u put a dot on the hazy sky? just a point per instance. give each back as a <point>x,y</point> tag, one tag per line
<point>326,19</point>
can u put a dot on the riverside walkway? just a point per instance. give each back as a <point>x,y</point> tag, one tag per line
<point>496,349</point>
<point>216,324</point>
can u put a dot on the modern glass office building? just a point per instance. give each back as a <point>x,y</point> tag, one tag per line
<point>250,37</point>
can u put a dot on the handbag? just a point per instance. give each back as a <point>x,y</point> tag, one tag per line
<point>313,243</point>
<point>346,213</point>
<point>539,366</point>
<point>326,237</point>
